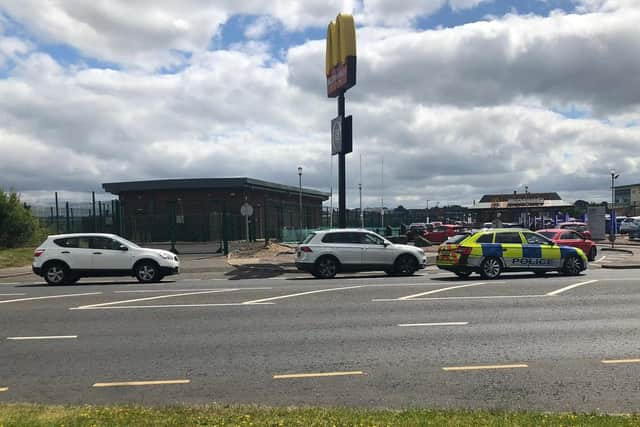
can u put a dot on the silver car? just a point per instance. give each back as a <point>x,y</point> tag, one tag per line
<point>326,253</point>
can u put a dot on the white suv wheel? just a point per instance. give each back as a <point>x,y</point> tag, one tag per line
<point>55,274</point>
<point>147,272</point>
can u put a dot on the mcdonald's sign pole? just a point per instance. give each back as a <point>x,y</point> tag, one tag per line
<point>340,69</point>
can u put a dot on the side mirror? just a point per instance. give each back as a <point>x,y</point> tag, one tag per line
<point>123,248</point>
<point>385,244</point>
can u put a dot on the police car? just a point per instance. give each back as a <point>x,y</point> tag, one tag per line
<point>493,251</point>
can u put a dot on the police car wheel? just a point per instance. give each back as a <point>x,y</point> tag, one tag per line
<point>572,266</point>
<point>491,268</point>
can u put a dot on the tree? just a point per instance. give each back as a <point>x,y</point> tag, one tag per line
<point>17,225</point>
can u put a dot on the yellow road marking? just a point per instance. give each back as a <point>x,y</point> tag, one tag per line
<point>137,383</point>
<point>479,367</point>
<point>4,389</point>
<point>614,361</point>
<point>317,375</point>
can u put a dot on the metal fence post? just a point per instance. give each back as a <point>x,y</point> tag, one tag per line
<point>100,222</point>
<point>225,235</point>
<point>57,216</point>
<point>93,204</point>
<point>66,208</point>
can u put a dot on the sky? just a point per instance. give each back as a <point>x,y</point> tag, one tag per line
<point>457,98</point>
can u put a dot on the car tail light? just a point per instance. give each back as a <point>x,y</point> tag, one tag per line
<point>305,249</point>
<point>38,252</point>
<point>463,250</point>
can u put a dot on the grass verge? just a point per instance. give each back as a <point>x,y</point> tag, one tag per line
<point>216,415</point>
<point>17,257</point>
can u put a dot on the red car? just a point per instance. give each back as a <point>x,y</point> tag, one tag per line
<point>580,227</point>
<point>443,232</point>
<point>568,237</point>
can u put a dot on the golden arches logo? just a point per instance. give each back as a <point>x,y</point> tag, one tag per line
<point>340,60</point>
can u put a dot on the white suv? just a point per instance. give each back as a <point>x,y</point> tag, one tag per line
<point>65,258</point>
<point>325,253</point>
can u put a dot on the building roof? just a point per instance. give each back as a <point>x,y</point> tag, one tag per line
<point>208,183</point>
<point>488,198</point>
<point>520,201</point>
<point>624,187</point>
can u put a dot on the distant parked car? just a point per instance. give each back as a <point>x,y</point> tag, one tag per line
<point>567,237</point>
<point>443,232</point>
<point>417,229</point>
<point>635,234</point>
<point>629,224</point>
<point>65,258</point>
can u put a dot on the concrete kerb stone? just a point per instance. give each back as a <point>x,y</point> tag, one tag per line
<point>621,266</point>
<point>626,251</point>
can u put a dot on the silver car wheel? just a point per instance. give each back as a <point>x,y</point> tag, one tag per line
<point>146,273</point>
<point>55,274</point>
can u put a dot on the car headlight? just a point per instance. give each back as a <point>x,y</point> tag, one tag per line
<point>166,256</point>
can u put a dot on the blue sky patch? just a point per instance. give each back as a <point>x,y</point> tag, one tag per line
<point>447,17</point>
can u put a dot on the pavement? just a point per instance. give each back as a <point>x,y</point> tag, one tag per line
<point>554,343</point>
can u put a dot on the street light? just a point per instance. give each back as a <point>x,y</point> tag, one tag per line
<point>612,221</point>
<point>300,199</point>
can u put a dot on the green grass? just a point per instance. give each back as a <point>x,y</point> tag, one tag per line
<point>216,415</point>
<point>17,257</point>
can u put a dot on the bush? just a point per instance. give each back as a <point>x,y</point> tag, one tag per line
<point>17,225</point>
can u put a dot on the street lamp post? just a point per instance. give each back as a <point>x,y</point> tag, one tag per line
<point>361,213</point>
<point>612,221</point>
<point>300,199</point>
<point>427,211</point>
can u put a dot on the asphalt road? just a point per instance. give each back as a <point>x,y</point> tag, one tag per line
<point>553,343</point>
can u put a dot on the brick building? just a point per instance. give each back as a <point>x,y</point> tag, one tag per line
<point>148,208</point>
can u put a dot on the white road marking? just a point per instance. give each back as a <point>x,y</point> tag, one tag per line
<point>139,383</point>
<point>180,290</point>
<point>4,389</point>
<point>302,293</point>
<point>481,367</point>
<point>120,307</point>
<point>566,288</point>
<point>619,361</point>
<point>435,324</point>
<point>91,306</point>
<point>461,298</point>
<point>435,291</point>
<point>601,258</point>
<point>317,375</point>
<point>10,295</point>
<point>48,297</point>
<point>46,337</point>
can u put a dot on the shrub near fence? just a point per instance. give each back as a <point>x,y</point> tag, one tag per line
<point>18,226</point>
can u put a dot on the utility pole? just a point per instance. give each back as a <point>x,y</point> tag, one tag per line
<point>342,182</point>
<point>427,211</point>
<point>612,222</point>
<point>382,194</point>
<point>300,199</point>
<point>360,191</point>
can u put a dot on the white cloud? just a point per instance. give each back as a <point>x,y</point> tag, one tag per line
<point>395,13</point>
<point>590,59</point>
<point>260,27</point>
<point>150,34</point>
